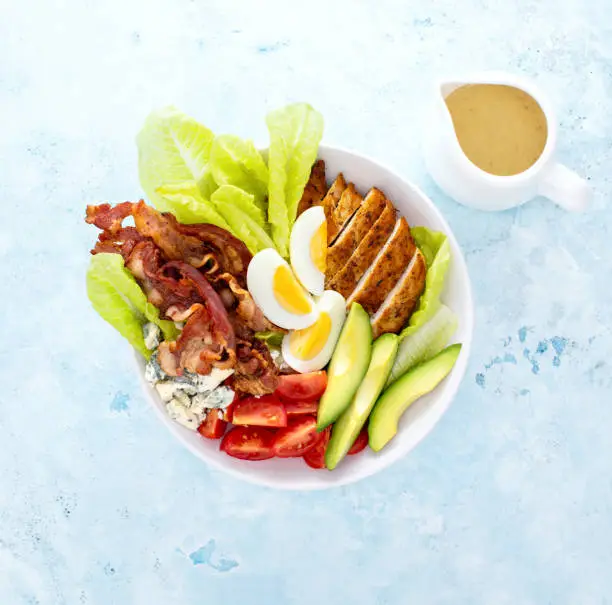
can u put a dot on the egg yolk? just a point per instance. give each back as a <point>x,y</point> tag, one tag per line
<point>308,343</point>
<point>288,292</point>
<point>318,247</point>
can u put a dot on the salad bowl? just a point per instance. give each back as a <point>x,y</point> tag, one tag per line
<point>421,417</point>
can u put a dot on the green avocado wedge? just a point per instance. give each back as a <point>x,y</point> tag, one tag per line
<point>415,383</point>
<point>347,367</point>
<point>350,423</point>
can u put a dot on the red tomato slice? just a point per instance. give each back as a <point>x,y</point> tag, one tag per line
<point>301,407</point>
<point>229,411</point>
<point>315,456</point>
<point>297,438</point>
<point>213,426</point>
<point>360,442</point>
<point>260,411</point>
<point>248,443</point>
<point>302,387</point>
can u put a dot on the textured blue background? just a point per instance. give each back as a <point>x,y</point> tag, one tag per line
<point>509,500</point>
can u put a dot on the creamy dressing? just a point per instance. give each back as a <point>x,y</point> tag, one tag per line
<point>501,129</point>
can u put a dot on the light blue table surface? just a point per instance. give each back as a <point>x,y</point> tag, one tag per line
<point>508,501</point>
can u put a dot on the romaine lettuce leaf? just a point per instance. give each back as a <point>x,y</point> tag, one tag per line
<point>236,207</point>
<point>295,133</point>
<point>271,338</point>
<point>185,201</point>
<point>117,297</point>
<point>172,148</point>
<point>424,342</point>
<point>436,250</point>
<point>234,161</point>
<point>231,196</point>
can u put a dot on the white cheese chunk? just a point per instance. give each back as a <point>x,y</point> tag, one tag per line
<point>208,382</point>
<point>183,415</point>
<point>152,335</point>
<point>220,398</point>
<point>166,389</point>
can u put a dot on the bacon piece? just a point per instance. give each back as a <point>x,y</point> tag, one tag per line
<point>232,254</point>
<point>121,242</point>
<point>204,246</point>
<point>256,373</point>
<point>207,338</point>
<point>145,263</point>
<point>246,310</point>
<point>199,348</point>
<point>107,217</point>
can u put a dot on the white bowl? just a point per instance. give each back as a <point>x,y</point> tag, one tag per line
<point>421,416</point>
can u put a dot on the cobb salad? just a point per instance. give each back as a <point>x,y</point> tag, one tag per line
<point>279,310</point>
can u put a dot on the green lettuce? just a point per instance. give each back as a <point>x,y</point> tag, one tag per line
<point>234,161</point>
<point>426,340</point>
<point>117,297</point>
<point>295,133</point>
<point>173,148</point>
<point>271,338</point>
<point>234,197</point>
<point>239,210</point>
<point>185,201</point>
<point>436,249</point>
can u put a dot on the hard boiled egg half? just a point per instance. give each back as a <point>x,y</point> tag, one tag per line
<point>278,293</point>
<point>308,249</point>
<point>311,348</point>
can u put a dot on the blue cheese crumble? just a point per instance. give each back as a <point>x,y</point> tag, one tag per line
<point>189,397</point>
<point>152,335</point>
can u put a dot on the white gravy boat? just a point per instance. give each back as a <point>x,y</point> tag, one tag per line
<point>462,180</point>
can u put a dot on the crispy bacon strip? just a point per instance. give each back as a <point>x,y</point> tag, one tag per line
<point>232,254</point>
<point>246,310</point>
<point>107,217</point>
<point>256,372</point>
<point>199,348</point>
<point>122,241</point>
<point>208,337</point>
<point>203,246</point>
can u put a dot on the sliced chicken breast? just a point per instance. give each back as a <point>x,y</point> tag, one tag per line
<point>387,268</point>
<point>346,280</point>
<point>401,302</point>
<point>347,206</point>
<point>363,220</point>
<point>329,203</point>
<point>315,188</point>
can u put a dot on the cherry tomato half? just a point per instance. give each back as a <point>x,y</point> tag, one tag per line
<point>248,443</point>
<point>360,442</point>
<point>266,410</point>
<point>213,426</point>
<point>301,407</point>
<point>297,438</point>
<point>302,387</point>
<point>315,456</point>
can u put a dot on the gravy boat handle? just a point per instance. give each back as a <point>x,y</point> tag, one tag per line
<point>564,187</point>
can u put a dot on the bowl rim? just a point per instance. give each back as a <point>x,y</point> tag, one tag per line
<point>456,376</point>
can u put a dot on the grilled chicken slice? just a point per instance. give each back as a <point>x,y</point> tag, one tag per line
<point>363,220</point>
<point>315,187</point>
<point>347,206</point>
<point>387,268</point>
<point>399,305</point>
<point>329,203</point>
<point>346,280</point>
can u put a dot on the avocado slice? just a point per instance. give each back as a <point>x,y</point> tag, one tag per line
<point>347,367</point>
<point>415,383</point>
<point>347,427</point>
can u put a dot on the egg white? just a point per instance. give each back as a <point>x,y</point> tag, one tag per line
<point>304,229</point>
<point>260,276</point>
<point>334,304</point>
